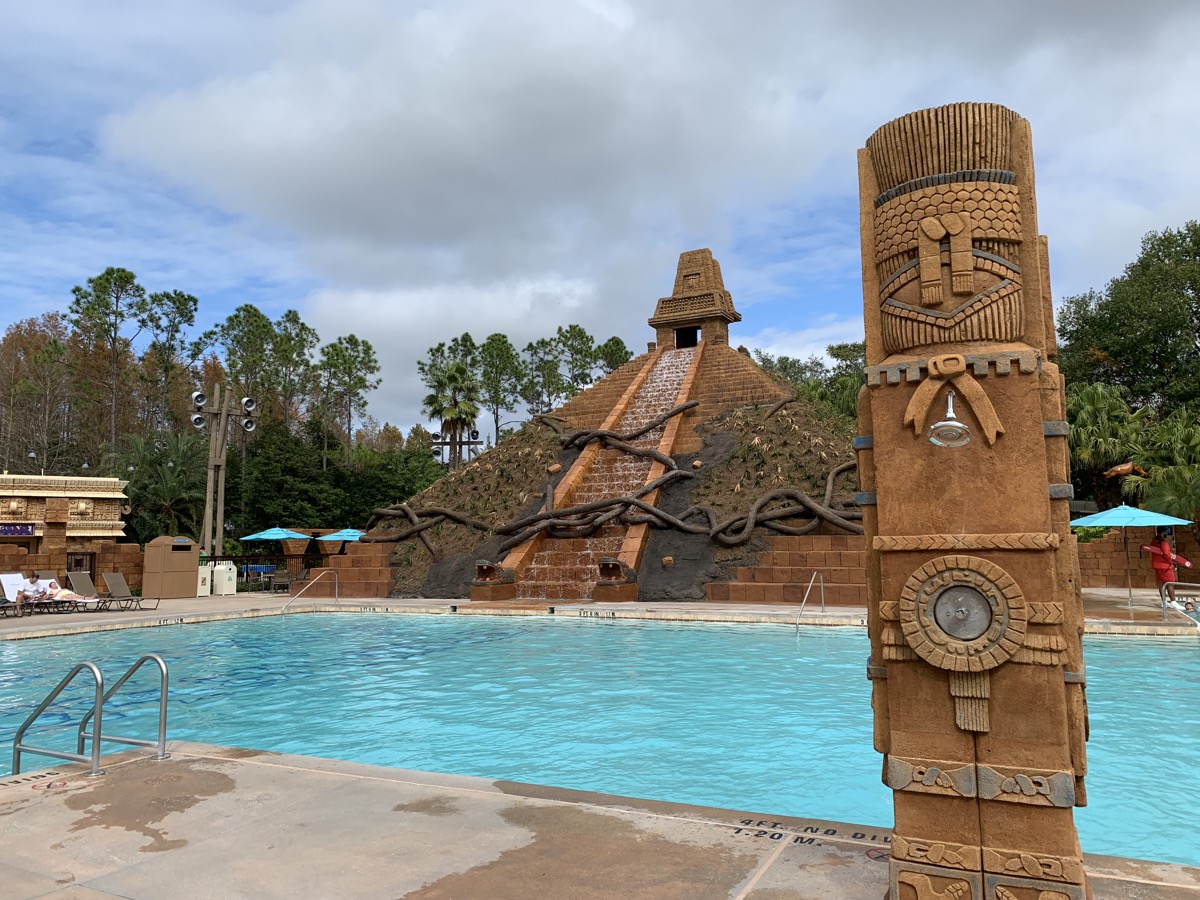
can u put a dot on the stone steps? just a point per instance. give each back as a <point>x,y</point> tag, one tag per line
<point>564,569</point>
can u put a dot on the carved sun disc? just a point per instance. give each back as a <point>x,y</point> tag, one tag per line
<point>962,613</point>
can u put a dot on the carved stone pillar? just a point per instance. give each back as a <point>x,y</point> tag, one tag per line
<point>974,610</point>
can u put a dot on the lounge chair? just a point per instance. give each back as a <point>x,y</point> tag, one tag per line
<point>47,576</point>
<point>47,603</point>
<point>118,590</point>
<point>81,583</point>
<point>11,583</point>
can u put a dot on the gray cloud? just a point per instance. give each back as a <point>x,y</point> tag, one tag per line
<point>515,167</point>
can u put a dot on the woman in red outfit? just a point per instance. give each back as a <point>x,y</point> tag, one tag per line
<point>1162,559</point>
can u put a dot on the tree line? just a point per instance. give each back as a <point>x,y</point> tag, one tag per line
<point>464,378</point>
<point>832,388</point>
<point>1131,357</point>
<point>104,387</point>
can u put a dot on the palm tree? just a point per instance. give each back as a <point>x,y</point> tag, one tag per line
<point>1104,432</point>
<point>166,478</point>
<point>1170,454</point>
<point>453,400</point>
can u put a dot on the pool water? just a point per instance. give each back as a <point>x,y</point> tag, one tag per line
<point>755,718</point>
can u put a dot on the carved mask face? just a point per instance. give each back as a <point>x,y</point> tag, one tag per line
<point>947,229</point>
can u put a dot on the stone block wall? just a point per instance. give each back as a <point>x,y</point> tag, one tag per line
<point>364,570</point>
<point>110,557</point>
<point>783,572</point>
<point>123,558</point>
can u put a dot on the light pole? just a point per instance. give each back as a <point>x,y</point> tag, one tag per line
<point>33,456</point>
<point>215,416</point>
<point>456,444</point>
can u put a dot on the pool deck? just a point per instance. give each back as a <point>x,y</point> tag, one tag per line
<point>214,822</point>
<point>1106,611</point>
<point>223,822</point>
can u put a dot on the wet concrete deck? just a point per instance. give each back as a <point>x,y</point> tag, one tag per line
<point>219,822</point>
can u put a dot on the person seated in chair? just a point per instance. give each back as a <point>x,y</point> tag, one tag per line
<point>31,591</point>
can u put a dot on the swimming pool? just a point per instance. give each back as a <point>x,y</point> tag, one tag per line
<point>755,718</point>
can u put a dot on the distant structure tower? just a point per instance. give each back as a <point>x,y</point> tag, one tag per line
<point>698,309</point>
<point>973,604</point>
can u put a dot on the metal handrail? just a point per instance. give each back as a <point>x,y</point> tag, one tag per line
<point>320,575</point>
<point>94,758</point>
<point>816,576</point>
<point>159,745</point>
<point>1162,592</point>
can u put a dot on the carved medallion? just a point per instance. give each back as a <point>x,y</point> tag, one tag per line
<point>963,614</point>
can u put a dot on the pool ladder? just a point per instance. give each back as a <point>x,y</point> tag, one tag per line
<point>320,575</point>
<point>817,578</point>
<point>96,734</point>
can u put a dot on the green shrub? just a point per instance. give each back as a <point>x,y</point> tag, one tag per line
<point>1085,533</point>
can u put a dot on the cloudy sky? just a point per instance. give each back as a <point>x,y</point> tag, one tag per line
<point>406,171</point>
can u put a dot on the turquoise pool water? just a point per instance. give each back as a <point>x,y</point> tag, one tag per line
<point>755,718</point>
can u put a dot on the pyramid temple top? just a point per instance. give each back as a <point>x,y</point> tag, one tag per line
<point>699,307</point>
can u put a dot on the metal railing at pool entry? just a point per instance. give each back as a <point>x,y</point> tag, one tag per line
<point>1162,592</point>
<point>160,745</point>
<point>97,735</point>
<point>320,575</point>
<point>816,577</point>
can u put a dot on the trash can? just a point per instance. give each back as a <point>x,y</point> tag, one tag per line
<point>169,568</point>
<point>224,579</point>
<point>204,580</point>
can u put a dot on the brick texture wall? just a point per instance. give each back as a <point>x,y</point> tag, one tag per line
<point>589,408</point>
<point>1102,562</point>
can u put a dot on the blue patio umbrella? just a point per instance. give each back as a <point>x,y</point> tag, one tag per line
<point>1127,517</point>
<point>346,534</point>
<point>275,534</point>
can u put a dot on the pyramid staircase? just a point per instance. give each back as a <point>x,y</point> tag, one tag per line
<point>567,570</point>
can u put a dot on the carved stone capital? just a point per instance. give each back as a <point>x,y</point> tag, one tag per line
<point>1024,540</point>
<point>1033,865</point>
<point>938,853</point>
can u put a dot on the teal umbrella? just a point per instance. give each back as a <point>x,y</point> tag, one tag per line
<point>1127,517</point>
<point>346,534</point>
<point>275,534</point>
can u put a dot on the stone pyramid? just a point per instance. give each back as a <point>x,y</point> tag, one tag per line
<point>690,361</point>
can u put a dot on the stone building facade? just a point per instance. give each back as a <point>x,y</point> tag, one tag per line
<point>61,524</point>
